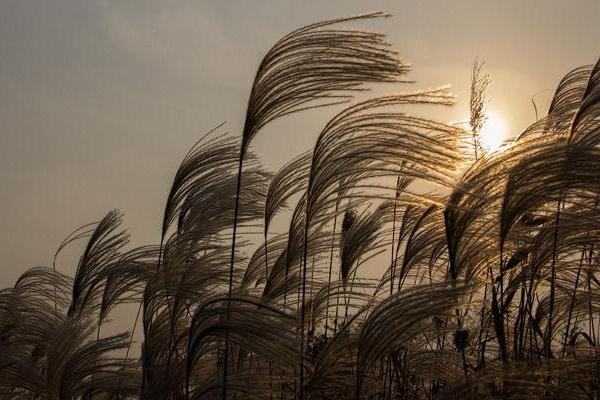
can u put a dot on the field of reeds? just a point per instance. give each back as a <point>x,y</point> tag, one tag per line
<point>413,264</point>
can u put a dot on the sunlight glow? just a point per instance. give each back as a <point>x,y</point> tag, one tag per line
<point>493,133</point>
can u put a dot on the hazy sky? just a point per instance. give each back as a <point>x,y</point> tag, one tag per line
<point>99,100</point>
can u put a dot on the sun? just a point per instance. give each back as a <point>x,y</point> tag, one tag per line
<point>493,132</point>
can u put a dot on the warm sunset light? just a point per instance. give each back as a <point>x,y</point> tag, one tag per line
<point>493,132</point>
<point>316,200</point>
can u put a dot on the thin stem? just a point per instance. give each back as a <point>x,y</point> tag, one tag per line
<point>572,305</point>
<point>231,266</point>
<point>302,302</point>
<point>335,215</point>
<point>552,282</point>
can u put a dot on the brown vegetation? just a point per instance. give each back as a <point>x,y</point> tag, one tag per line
<point>488,291</point>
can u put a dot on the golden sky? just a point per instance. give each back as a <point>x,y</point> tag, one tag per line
<point>99,100</point>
